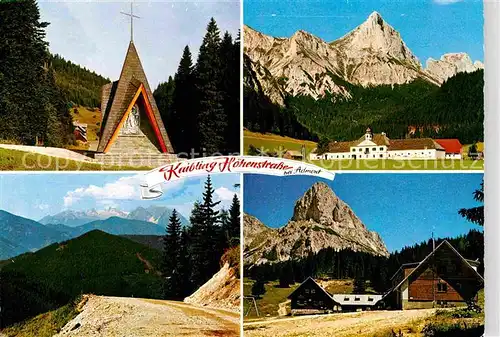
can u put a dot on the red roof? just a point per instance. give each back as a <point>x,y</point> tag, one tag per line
<point>450,145</point>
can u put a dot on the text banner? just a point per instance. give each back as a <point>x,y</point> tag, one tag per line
<point>151,186</point>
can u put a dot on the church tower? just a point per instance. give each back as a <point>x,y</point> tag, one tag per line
<point>369,134</point>
<point>131,124</point>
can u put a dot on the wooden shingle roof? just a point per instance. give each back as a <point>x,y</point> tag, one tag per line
<point>414,144</point>
<point>378,138</point>
<point>117,96</point>
<point>438,256</point>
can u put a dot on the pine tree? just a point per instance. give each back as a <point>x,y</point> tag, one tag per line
<point>23,65</point>
<point>475,214</point>
<point>31,103</point>
<point>183,105</point>
<point>230,88</point>
<point>171,258</point>
<point>359,285</point>
<point>225,231</point>
<point>286,275</point>
<point>185,264</point>
<point>234,221</point>
<point>163,96</point>
<point>258,288</point>
<point>205,234</point>
<point>212,120</point>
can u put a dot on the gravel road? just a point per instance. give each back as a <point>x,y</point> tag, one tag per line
<point>338,325</point>
<point>134,317</point>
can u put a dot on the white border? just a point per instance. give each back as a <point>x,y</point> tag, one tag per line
<point>492,167</point>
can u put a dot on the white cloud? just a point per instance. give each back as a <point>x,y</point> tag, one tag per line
<point>224,194</point>
<point>125,188</point>
<point>447,2</point>
<point>122,189</point>
<point>42,207</point>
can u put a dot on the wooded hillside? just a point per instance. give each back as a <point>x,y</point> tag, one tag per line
<point>79,85</point>
<point>416,109</point>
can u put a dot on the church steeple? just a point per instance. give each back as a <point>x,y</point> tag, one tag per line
<point>369,134</point>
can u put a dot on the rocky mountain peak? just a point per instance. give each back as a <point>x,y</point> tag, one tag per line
<point>320,220</point>
<point>375,19</point>
<point>317,204</point>
<point>451,64</point>
<point>375,35</point>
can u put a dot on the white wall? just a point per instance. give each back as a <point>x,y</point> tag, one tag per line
<point>415,154</point>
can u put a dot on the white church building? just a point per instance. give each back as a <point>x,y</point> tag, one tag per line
<point>379,146</point>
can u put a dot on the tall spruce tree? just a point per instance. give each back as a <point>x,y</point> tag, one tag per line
<point>234,221</point>
<point>184,105</point>
<point>163,95</point>
<point>171,258</point>
<point>32,107</point>
<point>212,120</point>
<point>205,236</point>
<point>230,88</point>
<point>185,264</point>
<point>23,66</point>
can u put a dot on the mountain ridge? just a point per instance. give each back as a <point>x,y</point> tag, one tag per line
<point>320,220</point>
<point>374,53</point>
<point>20,235</point>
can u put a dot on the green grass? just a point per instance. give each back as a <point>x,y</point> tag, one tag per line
<point>270,142</point>
<point>93,121</point>
<point>269,303</point>
<point>95,262</point>
<point>44,325</point>
<point>13,160</point>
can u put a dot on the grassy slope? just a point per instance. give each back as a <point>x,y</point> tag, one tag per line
<point>13,160</point>
<point>272,142</point>
<point>92,119</point>
<point>269,303</point>
<point>95,262</point>
<point>44,325</point>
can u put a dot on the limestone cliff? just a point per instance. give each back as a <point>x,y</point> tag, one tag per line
<point>320,220</point>
<point>374,53</point>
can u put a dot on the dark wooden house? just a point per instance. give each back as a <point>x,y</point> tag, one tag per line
<point>443,279</point>
<point>310,297</point>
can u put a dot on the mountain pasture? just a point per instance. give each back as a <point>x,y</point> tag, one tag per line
<point>407,323</point>
<point>274,143</point>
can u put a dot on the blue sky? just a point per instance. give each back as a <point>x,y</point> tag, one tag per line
<point>96,35</point>
<point>402,208</point>
<point>430,28</point>
<point>34,196</point>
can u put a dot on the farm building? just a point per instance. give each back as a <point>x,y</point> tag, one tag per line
<point>80,131</point>
<point>311,298</point>
<point>444,278</point>
<point>452,148</point>
<point>296,155</point>
<point>379,146</point>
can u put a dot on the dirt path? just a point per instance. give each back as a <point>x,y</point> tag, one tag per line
<point>49,151</point>
<point>135,317</point>
<point>338,325</point>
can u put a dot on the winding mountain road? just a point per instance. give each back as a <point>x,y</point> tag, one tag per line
<point>136,317</point>
<point>358,324</point>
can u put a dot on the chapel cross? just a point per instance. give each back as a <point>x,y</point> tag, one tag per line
<point>132,16</point>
